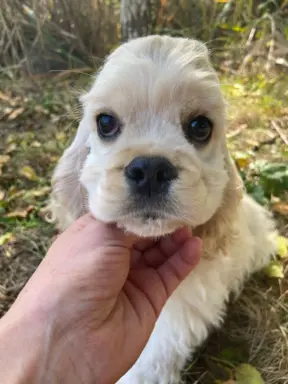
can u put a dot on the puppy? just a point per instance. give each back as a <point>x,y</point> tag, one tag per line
<point>150,155</point>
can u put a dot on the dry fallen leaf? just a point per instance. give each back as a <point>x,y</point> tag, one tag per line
<point>16,112</point>
<point>14,193</point>
<point>38,192</point>
<point>3,160</point>
<point>28,172</point>
<point>7,98</point>
<point>6,112</point>
<point>11,148</point>
<point>40,109</point>
<point>2,194</point>
<point>3,297</point>
<point>280,207</point>
<point>20,214</point>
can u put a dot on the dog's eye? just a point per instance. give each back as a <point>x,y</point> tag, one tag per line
<point>199,129</point>
<point>108,126</point>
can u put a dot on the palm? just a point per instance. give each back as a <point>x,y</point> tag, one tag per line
<point>156,270</point>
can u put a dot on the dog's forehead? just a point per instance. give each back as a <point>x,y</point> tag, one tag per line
<point>167,79</point>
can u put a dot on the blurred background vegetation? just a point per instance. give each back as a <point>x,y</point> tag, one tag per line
<point>49,51</point>
<point>42,35</point>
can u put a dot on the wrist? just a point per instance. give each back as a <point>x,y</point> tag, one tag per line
<point>34,350</point>
<point>22,348</point>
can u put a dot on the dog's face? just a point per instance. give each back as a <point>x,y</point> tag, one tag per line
<point>154,126</point>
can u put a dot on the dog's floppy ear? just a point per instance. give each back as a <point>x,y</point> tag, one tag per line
<point>219,230</point>
<point>68,200</point>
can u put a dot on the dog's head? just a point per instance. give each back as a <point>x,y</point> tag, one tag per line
<point>150,151</point>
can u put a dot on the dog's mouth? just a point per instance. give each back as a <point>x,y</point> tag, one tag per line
<point>150,211</point>
<point>151,216</point>
<point>146,216</point>
<point>149,222</point>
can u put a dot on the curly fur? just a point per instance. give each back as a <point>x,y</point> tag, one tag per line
<point>153,84</point>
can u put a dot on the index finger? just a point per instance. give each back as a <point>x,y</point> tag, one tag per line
<point>101,233</point>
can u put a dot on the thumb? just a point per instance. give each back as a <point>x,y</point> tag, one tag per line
<point>110,250</point>
<point>98,251</point>
<point>101,233</point>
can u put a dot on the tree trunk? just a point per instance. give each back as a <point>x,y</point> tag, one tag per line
<point>135,18</point>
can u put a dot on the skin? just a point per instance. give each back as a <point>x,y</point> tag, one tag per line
<point>90,307</point>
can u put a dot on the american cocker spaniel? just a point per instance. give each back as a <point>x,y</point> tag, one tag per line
<point>150,155</point>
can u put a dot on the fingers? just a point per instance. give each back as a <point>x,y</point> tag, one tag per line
<point>97,232</point>
<point>166,247</point>
<point>144,244</point>
<point>82,222</point>
<point>169,244</point>
<point>179,265</point>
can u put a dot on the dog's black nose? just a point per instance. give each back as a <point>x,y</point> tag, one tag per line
<point>150,176</point>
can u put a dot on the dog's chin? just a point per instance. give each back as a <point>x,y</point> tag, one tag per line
<point>149,227</point>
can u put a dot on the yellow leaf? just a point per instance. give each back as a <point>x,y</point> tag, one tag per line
<point>247,374</point>
<point>282,247</point>
<point>242,163</point>
<point>35,144</point>
<point>274,269</point>
<point>54,158</point>
<point>8,236</point>
<point>29,173</point>
<point>242,159</point>
<point>60,136</point>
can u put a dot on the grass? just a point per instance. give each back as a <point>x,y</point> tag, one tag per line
<point>37,120</point>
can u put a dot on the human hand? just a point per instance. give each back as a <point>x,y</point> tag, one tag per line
<point>97,295</point>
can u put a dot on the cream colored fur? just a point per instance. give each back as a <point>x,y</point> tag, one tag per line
<point>153,84</point>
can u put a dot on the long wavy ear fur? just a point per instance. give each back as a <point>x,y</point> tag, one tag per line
<point>68,199</point>
<point>221,228</point>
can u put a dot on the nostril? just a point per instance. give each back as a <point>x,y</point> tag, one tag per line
<point>166,172</point>
<point>137,174</point>
<point>137,171</point>
<point>161,176</point>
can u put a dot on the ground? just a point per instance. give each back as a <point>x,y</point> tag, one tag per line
<point>38,117</point>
